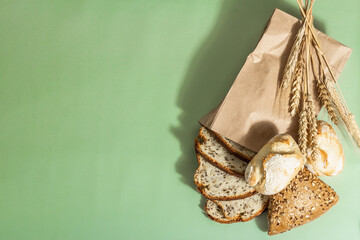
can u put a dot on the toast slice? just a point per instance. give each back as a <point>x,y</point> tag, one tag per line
<point>235,148</point>
<point>303,200</point>
<point>244,209</point>
<point>215,184</point>
<point>208,146</point>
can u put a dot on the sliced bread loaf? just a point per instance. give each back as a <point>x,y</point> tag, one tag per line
<point>216,184</point>
<point>216,214</point>
<point>303,200</point>
<point>208,146</point>
<point>235,148</point>
<point>244,209</point>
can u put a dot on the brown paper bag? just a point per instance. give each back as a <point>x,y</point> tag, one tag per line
<point>252,111</point>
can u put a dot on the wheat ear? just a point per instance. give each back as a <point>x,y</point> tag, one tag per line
<point>302,132</point>
<point>293,58</point>
<point>312,127</point>
<point>345,115</point>
<point>324,94</point>
<point>325,100</point>
<point>296,87</point>
<point>336,99</point>
<point>355,132</point>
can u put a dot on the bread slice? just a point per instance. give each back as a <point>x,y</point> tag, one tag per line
<point>303,200</point>
<point>208,146</point>
<point>235,148</point>
<point>216,184</point>
<point>216,214</point>
<point>244,209</point>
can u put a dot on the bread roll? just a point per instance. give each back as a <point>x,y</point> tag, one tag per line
<point>330,162</point>
<point>272,169</point>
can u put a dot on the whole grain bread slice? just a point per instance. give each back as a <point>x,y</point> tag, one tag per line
<point>215,184</point>
<point>235,148</point>
<point>209,147</point>
<point>244,209</point>
<point>216,214</point>
<point>303,200</point>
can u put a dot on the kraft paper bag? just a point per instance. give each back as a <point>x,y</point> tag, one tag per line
<point>253,111</point>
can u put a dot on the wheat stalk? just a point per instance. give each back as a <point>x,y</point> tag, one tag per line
<point>297,75</point>
<point>338,99</point>
<point>293,58</point>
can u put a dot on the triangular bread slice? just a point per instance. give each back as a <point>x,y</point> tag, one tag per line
<point>216,184</point>
<point>235,148</point>
<point>216,214</point>
<point>208,146</point>
<point>303,200</point>
<point>244,209</point>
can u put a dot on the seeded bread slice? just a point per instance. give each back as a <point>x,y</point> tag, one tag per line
<point>303,200</point>
<point>216,214</point>
<point>208,146</point>
<point>245,209</point>
<point>215,184</point>
<point>235,148</point>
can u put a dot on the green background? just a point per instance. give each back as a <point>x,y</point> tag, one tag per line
<point>99,104</point>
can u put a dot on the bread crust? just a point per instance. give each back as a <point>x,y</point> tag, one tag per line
<point>201,190</point>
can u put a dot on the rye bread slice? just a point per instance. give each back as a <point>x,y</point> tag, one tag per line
<point>216,214</point>
<point>208,146</point>
<point>244,209</point>
<point>215,184</point>
<point>235,148</point>
<point>303,200</point>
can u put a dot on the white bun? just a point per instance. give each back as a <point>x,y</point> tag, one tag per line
<point>275,165</point>
<point>330,162</point>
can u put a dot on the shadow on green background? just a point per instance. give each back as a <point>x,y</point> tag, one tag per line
<point>213,69</point>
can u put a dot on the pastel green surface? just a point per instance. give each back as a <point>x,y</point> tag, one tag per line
<point>99,104</point>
